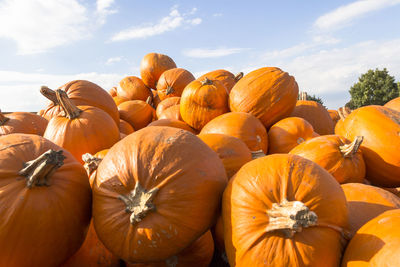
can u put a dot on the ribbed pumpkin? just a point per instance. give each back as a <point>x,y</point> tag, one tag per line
<point>152,66</point>
<point>380,127</point>
<point>173,123</point>
<point>339,156</point>
<point>84,129</point>
<point>365,202</point>
<point>119,99</point>
<point>227,78</point>
<point>393,104</point>
<point>284,135</point>
<point>45,202</point>
<point>137,113</point>
<point>173,112</point>
<point>172,82</point>
<point>167,103</point>
<point>202,101</point>
<point>199,253</point>
<point>376,243</point>
<point>133,88</point>
<point>113,91</point>
<point>315,114</point>
<point>125,127</point>
<point>81,93</point>
<point>156,191</point>
<point>334,115</point>
<point>283,210</point>
<point>241,125</point>
<point>269,94</point>
<point>22,122</point>
<point>231,150</point>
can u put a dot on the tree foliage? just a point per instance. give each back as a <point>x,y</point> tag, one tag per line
<point>315,98</point>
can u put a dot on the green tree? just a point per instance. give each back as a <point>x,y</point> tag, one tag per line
<point>375,87</point>
<point>315,98</point>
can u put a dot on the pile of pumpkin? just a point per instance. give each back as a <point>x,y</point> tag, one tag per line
<point>169,170</point>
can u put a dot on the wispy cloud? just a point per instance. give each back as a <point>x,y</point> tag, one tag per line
<point>217,14</point>
<point>104,8</point>
<point>345,14</point>
<point>211,53</point>
<point>113,60</point>
<point>171,22</point>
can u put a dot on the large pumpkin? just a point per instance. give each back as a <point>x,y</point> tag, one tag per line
<point>393,104</point>
<point>156,191</point>
<point>22,122</point>
<point>380,127</point>
<point>172,82</point>
<point>269,94</point>
<point>152,66</point>
<point>133,88</point>
<point>45,202</point>
<point>137,113</point>
<point>283,210</point>
<point>227,78</point>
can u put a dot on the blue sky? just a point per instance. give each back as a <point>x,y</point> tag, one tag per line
<point>325,45</point>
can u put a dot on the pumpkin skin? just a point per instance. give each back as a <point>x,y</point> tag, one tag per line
<point>393,104</point>
<point>269,94</point>
<point>173,123</point>
<point>201,101</point>
<point>172,82</point>
<point>327,152</point>
<point>133,88</point>
<point>119,99</point>
<point>28,229</point>
<point>252,192</point>
<point>227,78</point>
<point>286,134</point>
<point>156,99</point>
<point>172,112</point>
<point>376,243</point>
<point>137,113</point>
<point>199,253</point>
<point>167,103</point>
<point>380,127</point>
<point>231,150</point>
<point>113,91</point>
<point>365,202</point>
<point>152,66</point>
<point>22,122</point>
<point>334,115</point>
<point>187,174</point>
<point>241,125</point>
<point>125,127</point>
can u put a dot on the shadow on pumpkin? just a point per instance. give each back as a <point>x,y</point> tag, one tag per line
<point>362,247</point>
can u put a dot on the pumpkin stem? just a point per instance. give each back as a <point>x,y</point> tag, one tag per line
<point>91,162</point>
<point>170,90</point>
<point>3,119</point>
<point>38,171</point>
<point>344,112</point>
<point>206,81</point>
<point>71,111</point>
<point>350,149</point>
<point>139,202</point>
<point>289,217</point>
<point>238,76</point>
<point>257,154</point>
<point>303,96</point>
<point>49,94</point>
<point>300,140</point>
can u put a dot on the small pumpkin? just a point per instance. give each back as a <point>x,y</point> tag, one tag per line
<point>167,103</point>
<point>133,88</point>
<point>172,82</point>
<point>173,123</point>
<point>119,99</point>
<point>113,91</point>
<point>137,113</point>
<point>334,115</point>
<point>125,127</point>
<point>227,78</point>
<point>172,112</point>
<point>152,66</point>
<point>22,122</point>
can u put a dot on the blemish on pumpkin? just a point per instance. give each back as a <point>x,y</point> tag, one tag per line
<point>258,138</point>
<point>300,140</point>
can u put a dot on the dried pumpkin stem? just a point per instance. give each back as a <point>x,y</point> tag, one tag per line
<point>71,111</point>
<point>350,149</point>
<point>91,162</point>
<point>38,171</point>
<point>257,154</point>
<point>206,81</point>
<point>3,119</point>
<point>170,90</point>
<point>290,217</point>
<point>49,94</point>
<point>139,202</point>
<point>238,76</point>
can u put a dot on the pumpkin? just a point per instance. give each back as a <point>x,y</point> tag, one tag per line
<point>393,104</point>
<point>227,78</point>
<point>92,163</point>
<point>172,82</point>
<point>201,101</point>
<point>231,150</point>
<point>365,202</point>
<point>149,191</point>
<point>339,156</point>
<point>283,210</point>
<point>119,99</point>
<point>137,113</point>
<point>155,100</point>
<point>167,103</point>
<point>199,253</point>
<point>172,112</point>
<point>380,127</point>
<point>133,88</point>
<point>22,122</point>
<point>125,127</point>
<point>45,202</point>
<point>334,115</point>
<point>286,134</point>
<point>376,243</point>
<point>316,114</point>
<point>152,66</point>
<point>113,91</point>
<point>81,93</point>
<point>242,125</point>
<point>269,94</point>
<point>84,129</point>
<point>173,123</point>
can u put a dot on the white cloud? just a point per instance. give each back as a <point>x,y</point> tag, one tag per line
<point>211,53</point>
<point>345,14</point>
<point>217,14</point>
<point>171,22</point>
<point>113,60</point>
<point>104,9</point>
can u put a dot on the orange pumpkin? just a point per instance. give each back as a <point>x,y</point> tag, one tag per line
<point>393,104</point>
<point>167,103</point>
<point>113,91</point>
<point>150,190</point>
<point>133,88</point>
<point>125,127</point>
<point>227,78</point>
<point>271,213</point>
<point>334,115</point>
<point>201,101</point>
<point>155,99</point>
<point>45,202</point>
<point>119,99</point>
<point>172,112</point>
<point>286,134</point>
<point>152,66</point>
<point>92,163</point>
<point>137,113</point>
<point>339,156</point>
<point>269,94</point>
<point>173,123</point>
<point>172,82</point>
<point>22,122</point>
<point>380,127</point>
